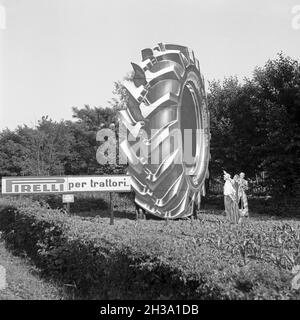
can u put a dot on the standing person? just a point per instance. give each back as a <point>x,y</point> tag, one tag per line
<point>242,200</point>
<point>236,184</point>
<point>230,199</point>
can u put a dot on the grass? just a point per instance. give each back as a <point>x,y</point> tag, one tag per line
<point>23,280</point>
<point>205,258</point>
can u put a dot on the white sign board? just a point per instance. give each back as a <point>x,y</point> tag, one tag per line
<point>68,198</point>
<point>65,184</point>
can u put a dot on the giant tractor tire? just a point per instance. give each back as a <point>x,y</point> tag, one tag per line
<point>167,95</point>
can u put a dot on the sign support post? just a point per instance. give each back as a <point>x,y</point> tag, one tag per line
<point>68,207</point>
<point>111,208</point>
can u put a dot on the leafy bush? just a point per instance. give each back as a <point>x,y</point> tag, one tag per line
<point>81,202</point>
<point>206,258</point>
<point>88,201</point>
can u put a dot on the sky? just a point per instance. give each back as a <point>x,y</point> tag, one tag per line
<point>56,54</point>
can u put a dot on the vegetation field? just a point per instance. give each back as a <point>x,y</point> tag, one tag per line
<point>207,258</point>
<point>23,281</point>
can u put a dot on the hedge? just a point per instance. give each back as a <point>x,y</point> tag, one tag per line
<point>198,259</point>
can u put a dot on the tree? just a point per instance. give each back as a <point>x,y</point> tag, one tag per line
<point>43,150</point>
<point>255,126</point>
<point>233,127</point>
<point>12,153</point>
<point>89,122</point>
<point>278,89</point>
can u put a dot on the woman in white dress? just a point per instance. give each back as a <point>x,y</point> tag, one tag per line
<point>230,199</point>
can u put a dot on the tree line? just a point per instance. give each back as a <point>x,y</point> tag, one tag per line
<point>255,127</point>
